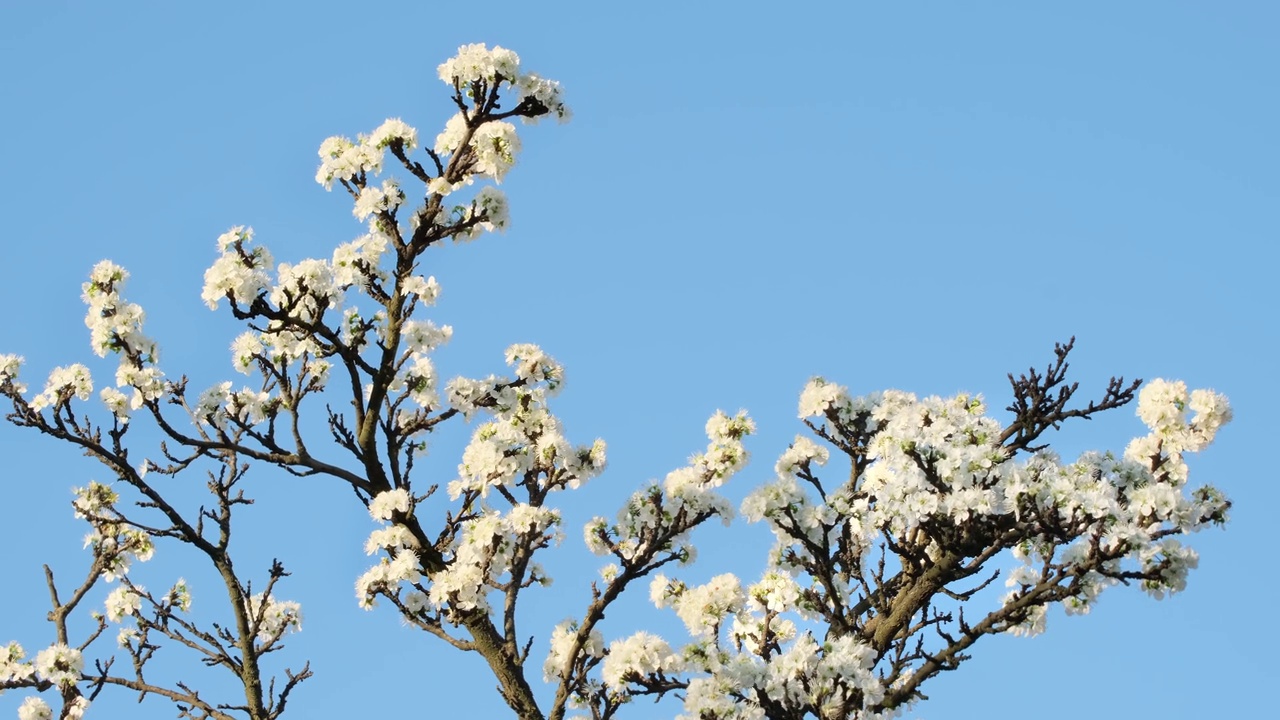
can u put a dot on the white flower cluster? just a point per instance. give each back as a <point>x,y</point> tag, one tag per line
<point>278,347</point>
<point>940,460</point>
<point>343,160</point>
<point>767,661</point>
<point>34,708</point>
<point>641,655</point>
<point>476,64</point>
<point>548,93</point>
<point>423,336</point>
<point>501,453</point>
<point>522,445</point>
<point>467,396</point>
<point>396,537</point>
<point>415,373</point>
<point>1163,406</point>
<point>426,290</point>
<point>240,272</point>
<point>70,380</point>
<point>220,403</point>
<point>827,676</point>
<point>10,365</point>
<point>273,617</point>
<point>658,518</point>
<point>1124,506</point>
<point>59,664</point>
<point>94,501</point>
<point>114,326</point>
<point>473,145</point>
<point>382,506</point>
<point>12,666</point>
<point>563,637</point>
<point>418,379</point>
<point>114,543</point>
<point>532,365</point>
<point>126,601</point>
<point>122,602</point>
<point>931,464</point>
<point>478,560</point>
<point>245,350</point>
<point>476,72</point>
<point>304,291</point>
<point>495,145</point>
<point>179,596</point>
<point>524,439</point>
<point>359,261</point>
<point>483,555</point>
<point>378,199</point>
<point>145,380</point>
<point>393,131</point>
<point>387,576</point>
<point>119,547</point>
<point>702,608</point>
<point>488,208</point>
<point>402,567</point>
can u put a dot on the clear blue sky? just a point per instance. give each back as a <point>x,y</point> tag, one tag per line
<point>914,196</point>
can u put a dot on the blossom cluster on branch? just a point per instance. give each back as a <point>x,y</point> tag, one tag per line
<point>868,583</point>
<point>873,585</point>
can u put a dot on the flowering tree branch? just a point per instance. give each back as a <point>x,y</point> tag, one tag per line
<point>1036,407</point>
<point>880,577</point>
<point>885,563</point>
<point>117,540</point>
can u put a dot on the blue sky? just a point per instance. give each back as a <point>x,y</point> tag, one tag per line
<point>910,196</point>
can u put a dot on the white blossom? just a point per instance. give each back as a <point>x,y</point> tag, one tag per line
<point>476,62</point>
<point>423,336</point>
<point>273,617</point>
<point>179,596</point>
<point>547,92</point>
<point>563,637</point>
<point>306,289</point>
<point>358,262</point>
<point>75,709</point>
<point>637,656</point>
<point>9,367</point>
<point>342,160</point>
<point>490,211</point>
<point>59,664</point>
<point>240,272</point>
<point>378,199</point>
<point>34,708</point>
<point>12,666</point>
<point>123,601</point>
<point>71,380</point>
<point>394,130</point>
<point>425,289</point>
<point>390,501</point>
